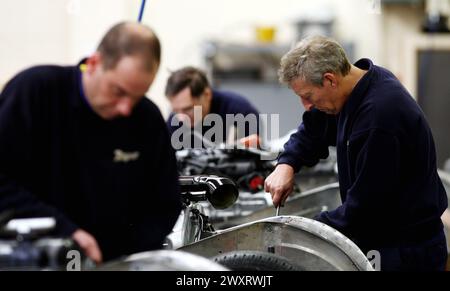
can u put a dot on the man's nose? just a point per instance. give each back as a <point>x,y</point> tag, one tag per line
<point>124,107</point>
<point>183,117</point>
<point>308,105</point>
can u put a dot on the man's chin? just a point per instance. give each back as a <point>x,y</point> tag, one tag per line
<point>108,117</point>
<point>328,111</point>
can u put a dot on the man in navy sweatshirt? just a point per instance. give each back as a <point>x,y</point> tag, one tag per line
<point>392,197</point>
<point>82,144</point>
<point>188,89</point>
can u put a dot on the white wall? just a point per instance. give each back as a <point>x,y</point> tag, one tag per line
<point>30,33</point>
<point>55,31</point>
<point>46,31</point>
<point>92,18</point>
<point>183,25</point>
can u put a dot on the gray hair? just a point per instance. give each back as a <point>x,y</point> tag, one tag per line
<point>311,58</point>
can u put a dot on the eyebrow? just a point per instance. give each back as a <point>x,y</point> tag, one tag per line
<point>123,90</point>
<point>186,108</point>
<point>306,95</point>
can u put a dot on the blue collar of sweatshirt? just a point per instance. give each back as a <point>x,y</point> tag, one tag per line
<point>357,96</point>
<point>359,92</point>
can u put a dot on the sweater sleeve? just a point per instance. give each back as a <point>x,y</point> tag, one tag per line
<point>16,145</point>
<point>311,141</point>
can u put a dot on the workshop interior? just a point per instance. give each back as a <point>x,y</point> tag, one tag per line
<point>92,184</point>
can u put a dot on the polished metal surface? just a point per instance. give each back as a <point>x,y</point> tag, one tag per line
<point>310,244</point>
<point>306,204</point>
<point>164,260</point>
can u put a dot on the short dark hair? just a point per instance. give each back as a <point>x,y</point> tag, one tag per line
<point>130,39</point>
<point>190,77</point>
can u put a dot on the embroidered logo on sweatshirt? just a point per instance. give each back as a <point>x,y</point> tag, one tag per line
<point>125,157</point>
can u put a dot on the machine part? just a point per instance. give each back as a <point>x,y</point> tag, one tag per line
<point>310,244</point>
<point>165,260</point>
<point>25,244</point>
<point>191,226</point>
<point>220,192</point>
<point>232,163</point>
<point>248,170</point>
<point>30,226</point>
<point>41,254</point>
<point>306,204</point>
<point>255,261</point>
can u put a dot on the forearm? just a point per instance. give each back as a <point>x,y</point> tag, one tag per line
<point>311,141</point>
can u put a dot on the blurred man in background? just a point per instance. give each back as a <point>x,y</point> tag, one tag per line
<point>82,144</point>
<point>188,88</point>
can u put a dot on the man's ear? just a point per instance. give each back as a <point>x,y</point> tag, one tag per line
<point>208,94</point>
<point>329,79</point>
<point>93,62</point>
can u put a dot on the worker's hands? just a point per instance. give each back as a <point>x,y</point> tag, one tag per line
<point>251,141</point>
<point>280,184</point>
<point>88,244</point>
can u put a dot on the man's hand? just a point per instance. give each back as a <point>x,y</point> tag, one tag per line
<point>88,244</point>
<point>280,184</point>
<point>251,141</point>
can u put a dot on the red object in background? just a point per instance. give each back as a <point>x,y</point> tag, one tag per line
<point>256,183</point>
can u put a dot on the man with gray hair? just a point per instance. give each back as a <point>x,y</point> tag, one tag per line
<point>392,197</point>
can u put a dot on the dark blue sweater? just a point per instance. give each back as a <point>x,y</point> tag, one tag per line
<point>390,189</point>
<point>57,159</point>
<point>223,103</point>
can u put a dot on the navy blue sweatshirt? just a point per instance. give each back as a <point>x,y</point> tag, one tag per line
<point>390,189</point>
<point>223,103</point>
<point>58,158</point>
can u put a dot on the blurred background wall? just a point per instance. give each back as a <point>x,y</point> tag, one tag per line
<point>63,31</point>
